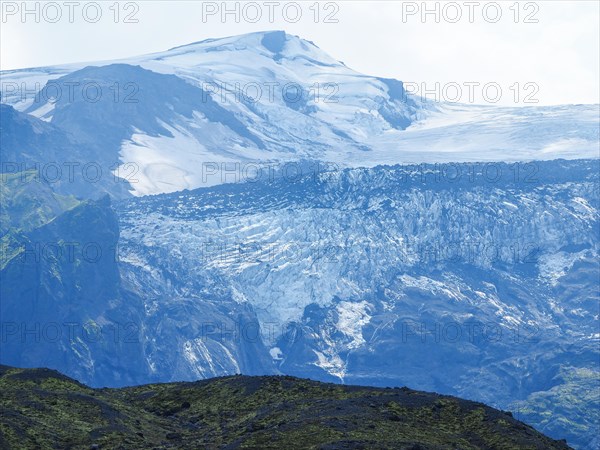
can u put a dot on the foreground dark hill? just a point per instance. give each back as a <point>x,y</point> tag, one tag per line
<point>42,408</point>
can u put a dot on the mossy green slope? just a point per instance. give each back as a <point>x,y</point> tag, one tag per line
<point>42,409</point>
<point>28,202</point>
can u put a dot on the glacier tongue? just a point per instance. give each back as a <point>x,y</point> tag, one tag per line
<point>344,234</point>
<point>466,285</point>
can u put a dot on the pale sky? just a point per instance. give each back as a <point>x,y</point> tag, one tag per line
<point>558,55</point>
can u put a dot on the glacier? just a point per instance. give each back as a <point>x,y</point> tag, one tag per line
<point>389,276</point>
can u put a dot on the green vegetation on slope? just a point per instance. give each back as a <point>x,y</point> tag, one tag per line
<point>41,409</point>
<point>576,393</point>
<point>26,202</point>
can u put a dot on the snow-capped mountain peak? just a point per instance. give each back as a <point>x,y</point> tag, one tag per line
<point>273,98</point>
<point>277,45</point>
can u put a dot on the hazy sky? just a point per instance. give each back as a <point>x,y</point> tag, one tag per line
<point>553,45</point>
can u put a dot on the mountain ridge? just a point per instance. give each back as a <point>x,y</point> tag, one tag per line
<point>247,412</point>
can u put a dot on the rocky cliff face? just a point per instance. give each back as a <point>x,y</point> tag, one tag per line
<point>62,301</point>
